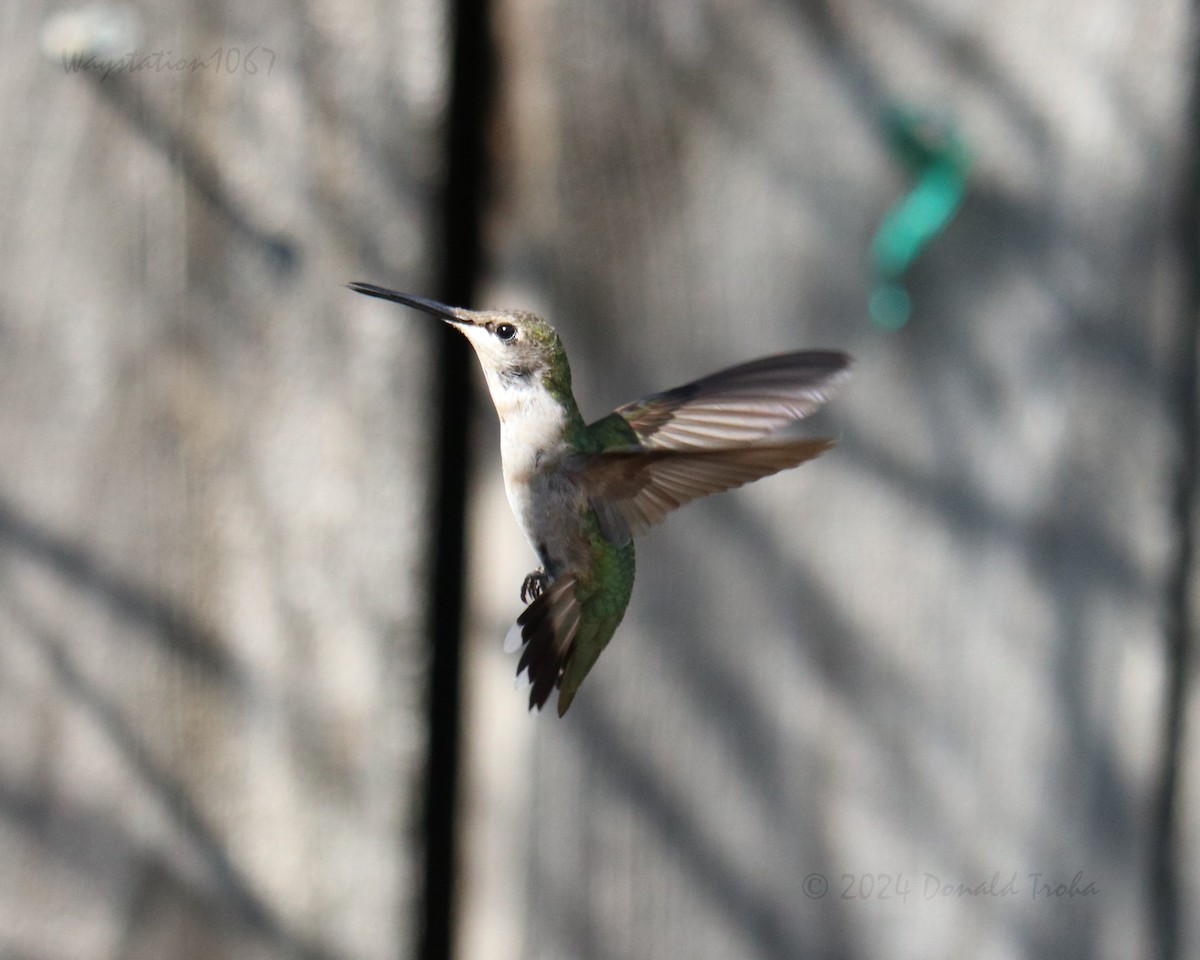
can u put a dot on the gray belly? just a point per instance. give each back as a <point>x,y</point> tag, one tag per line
<point>549,509</point>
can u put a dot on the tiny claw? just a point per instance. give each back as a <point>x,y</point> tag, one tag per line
<point>534,585</point>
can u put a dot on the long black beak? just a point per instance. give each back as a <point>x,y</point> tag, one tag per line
<point>432,307</point>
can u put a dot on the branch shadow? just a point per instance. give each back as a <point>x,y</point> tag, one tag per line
<point>73,834</point>
<point>169,624</point>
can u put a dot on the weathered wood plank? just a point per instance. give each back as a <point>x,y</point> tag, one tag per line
<point>212,515</point>
<point>939,650</point>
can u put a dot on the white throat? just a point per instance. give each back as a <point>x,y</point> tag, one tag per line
<point>532,422</point>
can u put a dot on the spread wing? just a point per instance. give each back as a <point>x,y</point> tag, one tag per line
<point>739,405</point>
<point>632,489</point>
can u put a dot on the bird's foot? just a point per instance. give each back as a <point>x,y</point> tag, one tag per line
<point>534,585</point>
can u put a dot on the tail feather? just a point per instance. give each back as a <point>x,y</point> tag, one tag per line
<point>561,645</point>
<point>589,644</point>
<point>548,628</point>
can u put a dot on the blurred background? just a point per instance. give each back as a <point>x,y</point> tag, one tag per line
<point>930,696</point>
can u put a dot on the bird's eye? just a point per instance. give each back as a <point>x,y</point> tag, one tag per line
<point>506,331</point>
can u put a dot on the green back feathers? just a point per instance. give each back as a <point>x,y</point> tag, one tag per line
<point>610,432</point>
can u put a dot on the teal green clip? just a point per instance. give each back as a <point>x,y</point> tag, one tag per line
<point>931,149</point>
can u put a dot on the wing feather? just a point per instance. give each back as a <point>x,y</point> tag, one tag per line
<point>739,405</point>
<point>643,485</point>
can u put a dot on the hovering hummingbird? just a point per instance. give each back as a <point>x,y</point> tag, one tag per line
<point>581,491</point>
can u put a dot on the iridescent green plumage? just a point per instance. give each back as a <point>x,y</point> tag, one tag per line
<point>603,597</point>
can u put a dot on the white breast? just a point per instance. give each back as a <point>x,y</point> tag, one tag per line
<point>545,503</point>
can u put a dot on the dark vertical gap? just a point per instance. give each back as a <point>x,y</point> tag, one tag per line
<point>461,263</point>
<point>1185,398</point>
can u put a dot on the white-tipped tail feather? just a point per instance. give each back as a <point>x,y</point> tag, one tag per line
<point>513,641</point>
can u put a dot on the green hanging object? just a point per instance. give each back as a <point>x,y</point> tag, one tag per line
<point>931,149</point>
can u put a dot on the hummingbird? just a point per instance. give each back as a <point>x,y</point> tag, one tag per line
<point>581,492</point>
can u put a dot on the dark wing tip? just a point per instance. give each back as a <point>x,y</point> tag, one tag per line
<point>835,364</point>
<point>840,361</point>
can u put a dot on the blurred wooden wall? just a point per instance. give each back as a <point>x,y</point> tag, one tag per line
<point>951,648</point>
<point>215,485</point>
<point>946,647</point>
